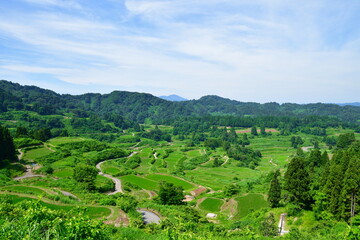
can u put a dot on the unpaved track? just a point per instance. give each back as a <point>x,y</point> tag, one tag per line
<point>21,155</point>
<point>28,174</point>
<point>118,186</point>
<point>149,217</point>
<point>271,162</point>
<point>226,160</point>
<point>68,194</point>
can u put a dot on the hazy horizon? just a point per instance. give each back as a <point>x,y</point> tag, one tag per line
<point>167,95</point>
<point>250,51</point>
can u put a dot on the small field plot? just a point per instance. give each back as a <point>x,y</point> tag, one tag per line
<point>33,154</point>
<point>145,165</point>
<point>250,201</point>
<point>64,163</point>
<point>195,153</point>
<point>61,140</point>
<point>211,204</point>
<point>111,170</point>
<point>102,183</point>
<point>110,167</point>
<point>92,212</point>
<point>173,158</point>
<point>141,182</point>
<point>276,149</point>
<point>217,178</point>
<point>63,173</point>
<point>24,189</point>
<point>176,181</point>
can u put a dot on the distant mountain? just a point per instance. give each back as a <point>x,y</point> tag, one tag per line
<point>174,98</point>
<point>356,104</point>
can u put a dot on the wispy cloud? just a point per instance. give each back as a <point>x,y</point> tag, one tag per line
<point>252,50</point>
<point>57,3</point>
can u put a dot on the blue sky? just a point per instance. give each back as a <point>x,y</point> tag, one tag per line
<point>248,50</point>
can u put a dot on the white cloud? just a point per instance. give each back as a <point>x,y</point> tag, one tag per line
<point>272,51</point>
<point>34,69</point>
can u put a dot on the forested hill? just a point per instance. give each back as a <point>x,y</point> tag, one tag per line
<point>140,107</point>
<point>216,105</point>
<point>131,105</point>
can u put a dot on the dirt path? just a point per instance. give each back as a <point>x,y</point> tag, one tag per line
<point>68,194</point>
<point>226,160</point>
<point>306,149</point>
<point>28,174</point>
<point>21,155</point>
<point>150,193</point>
<point>117,218</point>
<point>271,162</point>
<point>149,216</point>
<point>47,146</point>
<point>204,163</point>
<point>135,146</point>
<point>132,154</point>
<point>281,225</point>
<point>118,186</point>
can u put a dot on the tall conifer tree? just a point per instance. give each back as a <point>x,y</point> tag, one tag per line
<point>332,189</point>
<point>351,188</point>
<point>7,148</point>
<point>297,182</point>
<point>275,190</point>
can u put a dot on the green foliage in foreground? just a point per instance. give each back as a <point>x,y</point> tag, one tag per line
<point>31,220</point>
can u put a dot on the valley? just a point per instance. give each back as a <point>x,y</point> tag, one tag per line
<point>211,176</point>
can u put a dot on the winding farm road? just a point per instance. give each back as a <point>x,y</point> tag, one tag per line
<point>28,174</point>
<point>21,155</point>
<point>118,186</point>
<point>226,160</point>
<point>271,162</point>
<point>149,217</point>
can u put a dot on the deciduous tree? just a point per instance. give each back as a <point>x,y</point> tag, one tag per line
<point>169,194</point>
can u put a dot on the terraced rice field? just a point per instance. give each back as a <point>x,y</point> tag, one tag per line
<point>63,173</point>
<point>217,178</point>
<point>176,181</point>
<point>92,212</point>
<point>141,182</point>
<point>250,201</point>
<point>60,140</point>
<point>24,189</point>
<point>36,153</point>
<point>211,204</point>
